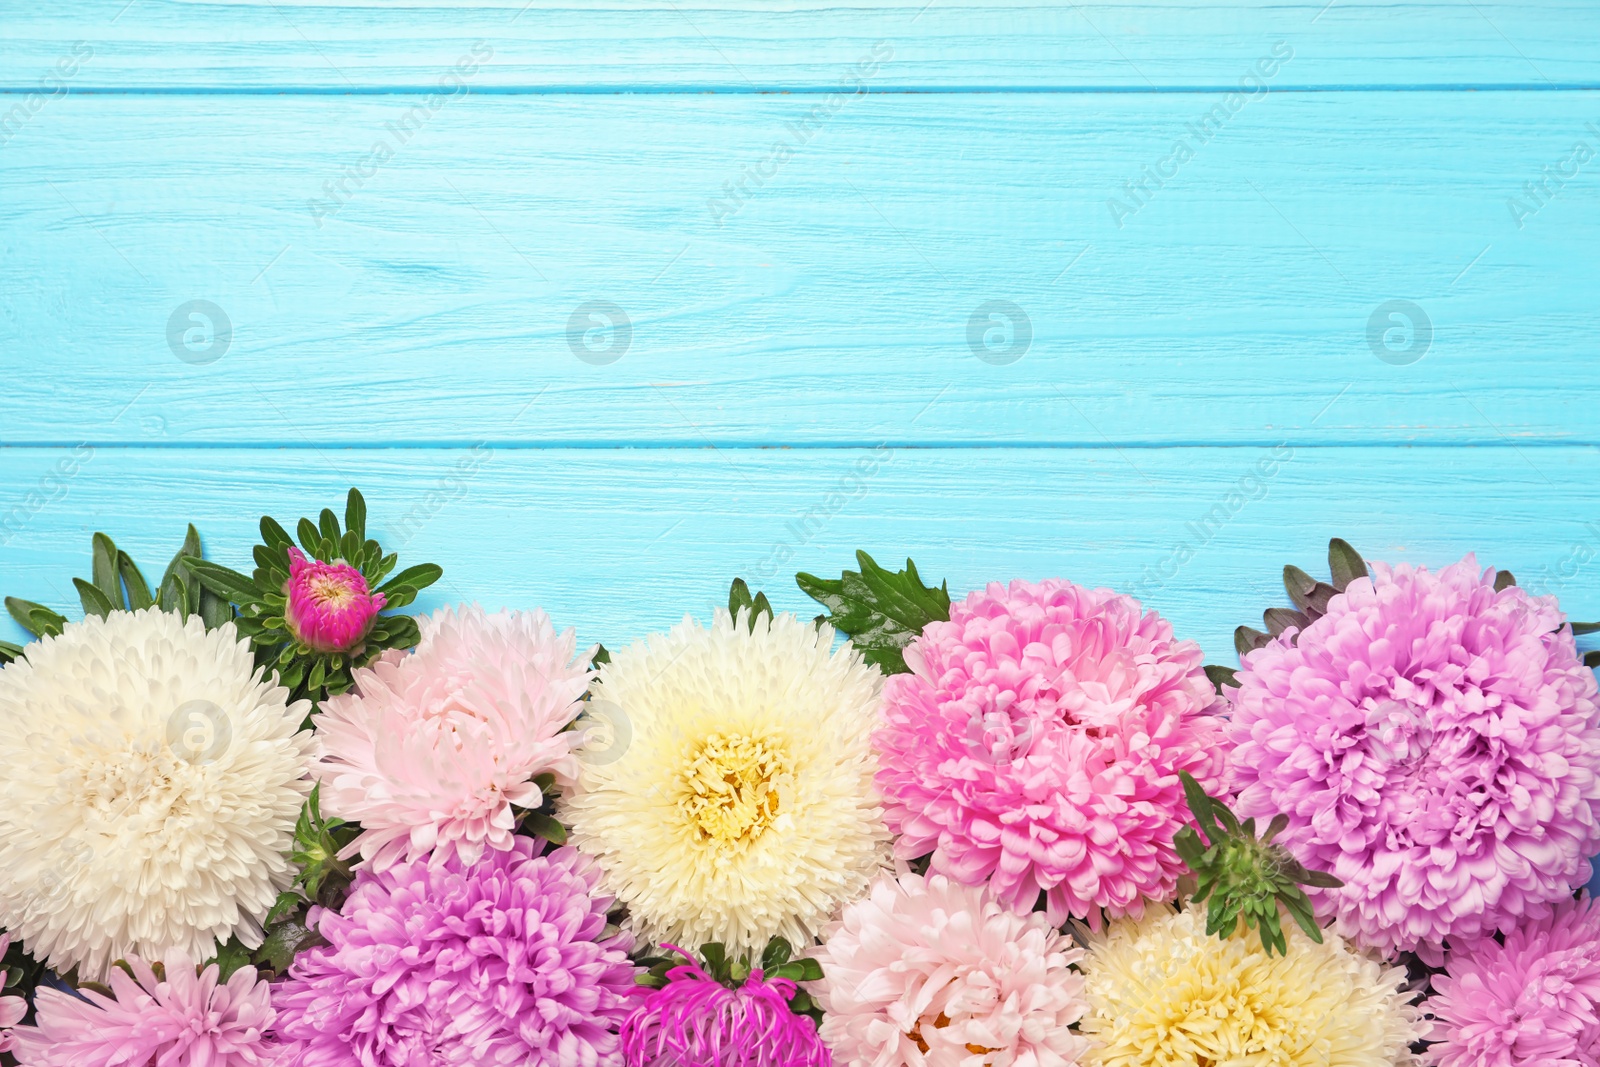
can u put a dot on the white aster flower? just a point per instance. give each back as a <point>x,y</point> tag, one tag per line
<point>152,782</point>
<point>743,806</point>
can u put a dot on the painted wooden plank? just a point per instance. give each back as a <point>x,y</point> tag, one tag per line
<point>618,542</point>
<point>446,277</point>
<point>760,45</point>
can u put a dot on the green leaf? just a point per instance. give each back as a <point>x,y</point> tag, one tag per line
<point>1581,628</point>
<point>1280,619</point>
<point>739,599</point>
<point>37,619</point>
<point>1187,843</point>
<point>230,957</point>
<point>1220,676</point>
<point>881,611</point>
<point>94,601</point>
<point>213,610</point>
<point>1247,640</point>
<point>601,658</point>
<point>776,955</point>
<point>545,826</point>
<point>105,573</point>
<point>328,526</point>
<point>414,578</point>
<point>226,583</point>
<point>310,538</point>
<point>139,596</point>
<point>1504,580</point>
<point>716,959</point>
<point>1591,659</point>
<point>9,652</point>
<point>355,514</point>
<point>1200,805</point>
<point>273,535</point>
<point>1344,563</point>
<point>800,1003</point>
<point>283,942</point>
<point>1319,879</point>
<point>1278,825</point>
<point>287,901</point>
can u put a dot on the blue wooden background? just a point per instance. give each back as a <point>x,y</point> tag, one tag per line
<point>603,303</point>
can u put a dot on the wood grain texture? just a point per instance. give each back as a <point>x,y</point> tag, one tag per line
<point>429,296</point>
<point>618,542</point>
<point>801,45</point>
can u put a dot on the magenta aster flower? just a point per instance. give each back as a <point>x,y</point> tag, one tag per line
<point>1037,744</point>
<point>1531,1002</point>
<point>696,1021</point>
<point>505,961</point>
<point>329,607</point>
<point>434,748</point>
<point>1436,745</point>
<point>179,1020</point>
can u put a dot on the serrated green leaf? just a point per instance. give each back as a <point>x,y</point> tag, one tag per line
<point>95,602</point>
<point>881,611</point>
<point>230,957</point>
<point>287,901</point>
<point>104,572</point>
<point>283,943</point>
<point>1344,563</point>
<point>355,514</point>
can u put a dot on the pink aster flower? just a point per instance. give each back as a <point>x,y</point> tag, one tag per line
<point>433,748</point>
<point>329,607</point>
<point>1435,744</point>
<point>1037,744</point>
<point>12,1009</point>
<point>696,1021</point>
<point>1531,1002</point>
<point>179,1020</point>
<point>929,973</point>
<point>505,961</point>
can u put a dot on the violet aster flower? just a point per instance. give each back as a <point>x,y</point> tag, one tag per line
<point>696,1021</point>
<point>1036,746</point>
<point>1435,743</point>
<point>1531,1002</point>
<point>12,1009</point>
<point>505,961</point>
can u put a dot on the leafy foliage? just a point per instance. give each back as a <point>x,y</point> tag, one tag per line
<point>1245,877</point>
<point>117,584</point>
<point>739,598</point>
<point>261,600</point>
<point>776,962</point>
<point>1309,596</point>
<point>881,611</point>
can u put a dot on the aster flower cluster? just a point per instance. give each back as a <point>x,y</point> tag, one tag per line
<point>262,822</point>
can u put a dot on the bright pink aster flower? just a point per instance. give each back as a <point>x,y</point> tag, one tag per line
<point>329,607</point>
<point>1435,744</point>
<point>696,1021</point>
<point>1531,1002</point>
<point>180,1020</point>
<point>505,961</point>
<point>1037,744</point>
<point>12,1009</point>
<point>432,749</point>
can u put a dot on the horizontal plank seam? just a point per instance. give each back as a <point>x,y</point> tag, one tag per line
<point>703,444</point>
<point>624,89</point>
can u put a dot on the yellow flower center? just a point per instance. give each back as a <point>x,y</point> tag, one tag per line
<point>733,787</point>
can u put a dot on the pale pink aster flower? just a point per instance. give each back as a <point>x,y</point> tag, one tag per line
<point>12,1009</point>
<point>432,749</point>
<point>1435,743</point>
<point>181,1020</point>
<point>329,607</point>
<point>1036,745</point>
<point>930,973</point>
<point>1531,1002</point>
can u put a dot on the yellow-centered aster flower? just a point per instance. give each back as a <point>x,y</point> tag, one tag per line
<point>737,804</point>
<point>1164,993</point>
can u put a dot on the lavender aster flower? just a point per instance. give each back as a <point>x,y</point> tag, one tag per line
<point>1435,743</point>
<point>696,1021</point>
<point>504,961</point>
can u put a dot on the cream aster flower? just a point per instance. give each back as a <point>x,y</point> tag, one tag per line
<point>743,806</point>
<point>1164,993</point>
<point>152,783</point>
